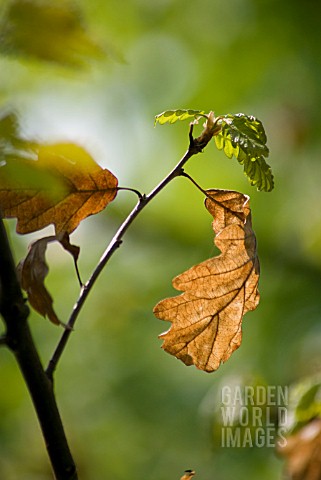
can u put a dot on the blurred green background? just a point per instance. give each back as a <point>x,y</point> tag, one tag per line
<point>96,74</point>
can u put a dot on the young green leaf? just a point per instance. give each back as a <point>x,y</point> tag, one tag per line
<point>171,116</point>
<point>244,137</point>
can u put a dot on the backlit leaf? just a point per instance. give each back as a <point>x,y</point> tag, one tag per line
<point>207,318</point>
<point>240,135</point>
<point>244,137</point>
<point>171,116</point>
<point>85,189</point>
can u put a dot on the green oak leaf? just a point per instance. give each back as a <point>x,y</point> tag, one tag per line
<point>244,137</point>
<point>171,116</point>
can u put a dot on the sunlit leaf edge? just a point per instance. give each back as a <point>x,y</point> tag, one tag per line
<point>171,116</point>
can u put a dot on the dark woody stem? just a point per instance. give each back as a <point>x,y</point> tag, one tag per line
<point>18,339</point>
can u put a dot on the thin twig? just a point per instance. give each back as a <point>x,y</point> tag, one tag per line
<point>186,175</point>
<point>112,247</point>
<point>134,190</point>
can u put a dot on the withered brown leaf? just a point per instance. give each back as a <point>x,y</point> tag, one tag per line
<point>32,272</point>
<point>86,189</point>
<point>207,318</point>
<point>302,452</point>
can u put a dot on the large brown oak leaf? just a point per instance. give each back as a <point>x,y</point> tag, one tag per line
<point>207,318</point>
<point>84,189</point>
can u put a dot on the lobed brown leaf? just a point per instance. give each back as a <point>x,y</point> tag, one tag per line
<point>302,452</point>
<point>207,318</point>
<point>85,189</point>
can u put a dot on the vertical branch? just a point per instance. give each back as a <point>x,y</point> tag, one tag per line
<point>19,340</point>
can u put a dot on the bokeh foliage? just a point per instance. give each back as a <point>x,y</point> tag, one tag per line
<point>130,410</point>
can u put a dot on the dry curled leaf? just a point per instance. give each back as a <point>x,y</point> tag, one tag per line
<point>302,452</point>
<point>207,318</point>
<point>32,273</point>
<point>85,189</point>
